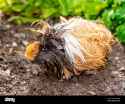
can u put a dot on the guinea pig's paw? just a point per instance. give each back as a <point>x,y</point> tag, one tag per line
<point>67,74</point>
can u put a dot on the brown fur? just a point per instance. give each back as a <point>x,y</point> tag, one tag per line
<point>97,42</point>
<point>32,50</point>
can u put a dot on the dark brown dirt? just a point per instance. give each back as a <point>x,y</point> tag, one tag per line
<point>19,77</point>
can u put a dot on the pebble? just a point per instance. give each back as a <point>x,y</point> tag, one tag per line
<point>7,45</point>
<point>91,93</point>
<point>122,69</point>
<point>11,50</point>
<point>20,35</point>
<point>25,43</point>
<point>8,26</point>
<point>14,44</point>
<point>116,58</point>
<point>5,73</point>
<point>114,73</point>
<point>60,47</point>
<point>90,72</point>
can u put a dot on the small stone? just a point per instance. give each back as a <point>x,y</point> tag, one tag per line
<point>14,44</point>
<point>35,72</point>
<point>22,35</point>
<point>114,73</point>
<point>122,69</point>
<point>60,47</point>
<point>91,93</point>
<point>11,50</point>
<point>5,73</point>
<point>7,45</point>
<point>25,43</point>
<point>116,58</point>
<point>28,70</point>
<point>19,35</point>
<point>8,26</point>
<point>16,34</point>
<point>90,72</point>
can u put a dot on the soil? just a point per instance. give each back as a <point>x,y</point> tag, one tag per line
<point>20,77</point>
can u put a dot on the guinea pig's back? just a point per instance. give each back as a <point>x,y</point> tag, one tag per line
<point>95,44</point>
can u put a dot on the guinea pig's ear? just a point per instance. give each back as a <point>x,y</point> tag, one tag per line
<point>62,19</point>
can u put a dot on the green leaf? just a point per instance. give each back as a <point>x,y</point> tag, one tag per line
<point>48,12</point>
<point>64,6</point>
<point>18,7</point>
<point>120,33</point>
<point>106,17</point>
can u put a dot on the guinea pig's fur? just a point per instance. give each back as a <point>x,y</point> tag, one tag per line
<point>85,45</point>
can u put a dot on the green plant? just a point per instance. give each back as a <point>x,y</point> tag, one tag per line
<point>114,18</point>
<point>23,11</point>
<point>111,12</point>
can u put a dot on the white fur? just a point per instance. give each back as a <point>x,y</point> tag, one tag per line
<point>70,24</point>
<point>72,45</point>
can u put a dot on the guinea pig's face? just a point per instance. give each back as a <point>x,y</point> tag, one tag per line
<point>32,50</point>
